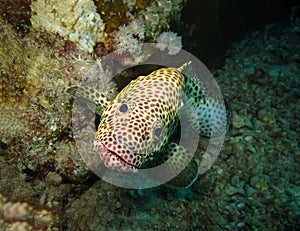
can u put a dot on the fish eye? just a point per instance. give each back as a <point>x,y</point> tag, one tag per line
<point>123,108</point>
<point>157,132</point>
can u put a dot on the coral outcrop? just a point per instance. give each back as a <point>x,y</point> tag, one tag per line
<point>116,24</point>
<point>35,114</point>
<point>75,20</point>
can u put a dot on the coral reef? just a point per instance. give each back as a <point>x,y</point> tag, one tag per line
<point>155,14</point>
<point>45,185</point>
<point>35,112</point>
<point>75,20</point>
<point>130,23</point>
<point>115,24</point>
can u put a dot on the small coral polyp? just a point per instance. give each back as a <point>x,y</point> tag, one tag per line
<point>130,38</point>
<point>170,41</point>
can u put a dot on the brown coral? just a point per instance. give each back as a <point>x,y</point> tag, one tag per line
<point>23,215</point>
<point>113,14</point>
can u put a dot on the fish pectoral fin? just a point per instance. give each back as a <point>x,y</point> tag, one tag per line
<point>180,169</point>
<point>89,95</point>
<point>187,177</point>
<point>184,166</point>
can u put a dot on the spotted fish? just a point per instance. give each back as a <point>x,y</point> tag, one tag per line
<point>136,127</point>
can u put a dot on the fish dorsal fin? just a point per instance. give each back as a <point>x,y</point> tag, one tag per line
<point>183,66</point>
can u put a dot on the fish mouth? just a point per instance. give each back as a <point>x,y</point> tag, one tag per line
<point>114,161</point>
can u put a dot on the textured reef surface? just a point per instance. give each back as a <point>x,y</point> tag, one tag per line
<point>45,185</point>
<point>254,184</point>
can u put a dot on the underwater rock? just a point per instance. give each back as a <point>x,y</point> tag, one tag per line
<point>23,215</point>
<point>17,13</point>
<point>239,121</point>
<point>69,163</point>
<point>267,115</point>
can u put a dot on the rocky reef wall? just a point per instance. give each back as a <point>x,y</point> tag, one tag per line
<point>45,185</point>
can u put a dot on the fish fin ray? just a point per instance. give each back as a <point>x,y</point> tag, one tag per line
<point>90,95</point>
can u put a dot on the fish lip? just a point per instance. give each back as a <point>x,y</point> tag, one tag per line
<point>107,150</point>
